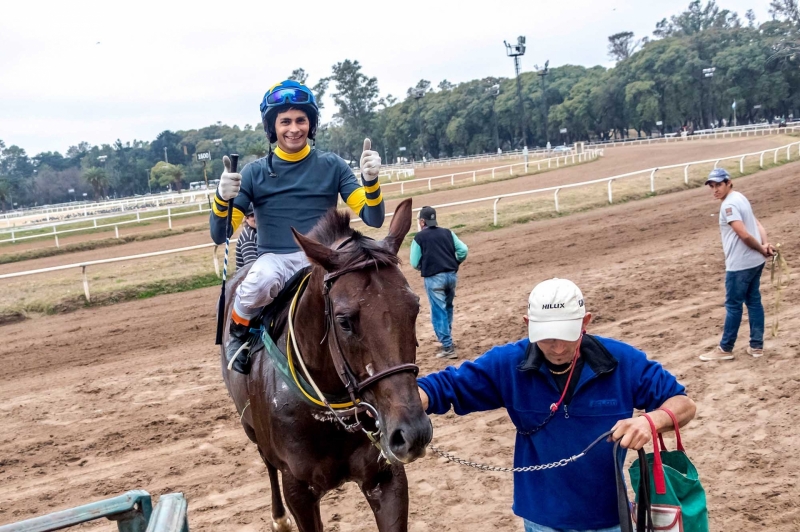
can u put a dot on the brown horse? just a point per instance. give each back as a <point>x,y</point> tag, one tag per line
<point>354,327</point>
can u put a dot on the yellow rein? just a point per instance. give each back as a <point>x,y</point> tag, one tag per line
<point>291,340</point>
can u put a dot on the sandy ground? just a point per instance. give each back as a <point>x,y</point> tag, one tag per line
<point>100,401</point>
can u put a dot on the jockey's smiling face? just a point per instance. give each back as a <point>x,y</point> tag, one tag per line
<point>292,129</point>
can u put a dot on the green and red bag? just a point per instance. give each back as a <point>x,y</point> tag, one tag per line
<point>669,496</point>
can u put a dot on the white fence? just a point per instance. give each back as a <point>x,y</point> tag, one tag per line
<point>652,171</point>
<point>744,131</point>
<point>84,265</point>
<point>553,162</point>
<point>139,219</point>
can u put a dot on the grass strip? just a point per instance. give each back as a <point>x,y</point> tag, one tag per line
<point>97,244</point>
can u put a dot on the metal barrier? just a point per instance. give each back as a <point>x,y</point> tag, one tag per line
<point>133,512</point>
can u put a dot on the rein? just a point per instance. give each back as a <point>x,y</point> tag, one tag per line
<point>346,374</point>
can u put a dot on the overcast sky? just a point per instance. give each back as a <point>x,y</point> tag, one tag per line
<point>98,71</point>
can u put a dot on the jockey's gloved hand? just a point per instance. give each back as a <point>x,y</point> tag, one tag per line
<point>370,162</point>
<point>229,182</point>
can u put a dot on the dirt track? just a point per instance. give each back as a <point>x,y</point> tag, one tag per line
<point>103,400</point>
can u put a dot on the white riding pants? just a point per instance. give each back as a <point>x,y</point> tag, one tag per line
<point>264,281</point>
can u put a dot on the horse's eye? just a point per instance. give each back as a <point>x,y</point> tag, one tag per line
<point>344,323</point>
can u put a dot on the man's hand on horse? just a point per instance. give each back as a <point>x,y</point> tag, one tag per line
<point>229,182</point>
<point>632,433</point>
<point>370,162</point>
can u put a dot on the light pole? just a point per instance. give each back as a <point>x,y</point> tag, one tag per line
<point>418,94</point>
<point>494,90</point>
<point>103,159</point>
<point>543,74</point>
<point>708,73</point>
<point>516,51</point>
<point>165,155</point>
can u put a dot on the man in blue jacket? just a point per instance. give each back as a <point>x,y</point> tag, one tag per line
<point>562,389</point>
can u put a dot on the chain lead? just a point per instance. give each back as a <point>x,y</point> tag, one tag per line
<point>561,463</point>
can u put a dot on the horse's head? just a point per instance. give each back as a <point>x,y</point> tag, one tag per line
<point>373,315</point>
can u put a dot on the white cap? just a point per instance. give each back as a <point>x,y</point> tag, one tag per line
<point>555,311</point>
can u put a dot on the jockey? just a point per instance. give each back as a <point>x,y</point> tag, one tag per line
<point>290,187</point>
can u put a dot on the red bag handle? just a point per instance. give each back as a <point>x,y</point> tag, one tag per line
<point>677,430</point>
<point>658,466</point>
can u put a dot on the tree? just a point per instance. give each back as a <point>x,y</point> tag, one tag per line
<point>5,193</point>
<point>622,45</point>
<point>96,178</point>
<point>696,19</point>
<point>356,97</point>
<point>299,75</point>
<point>786,10</point>
<point>164,174</point>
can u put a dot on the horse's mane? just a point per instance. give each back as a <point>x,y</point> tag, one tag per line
<point>334,226</point>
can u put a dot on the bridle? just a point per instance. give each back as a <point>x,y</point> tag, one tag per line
<point>354,387</point>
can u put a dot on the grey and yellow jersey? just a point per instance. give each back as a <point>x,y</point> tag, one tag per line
<point>308,184</point>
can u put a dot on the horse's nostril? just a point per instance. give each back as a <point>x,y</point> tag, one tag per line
<point>397,441</point>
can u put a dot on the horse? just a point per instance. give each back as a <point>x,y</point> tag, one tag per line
<point>352,333</point>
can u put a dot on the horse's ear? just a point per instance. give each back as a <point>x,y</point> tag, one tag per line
<point>401,224</point>
<point>317,253</point>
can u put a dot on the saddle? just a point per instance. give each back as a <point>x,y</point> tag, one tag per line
<point>273,316</point>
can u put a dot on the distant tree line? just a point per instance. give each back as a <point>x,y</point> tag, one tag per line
<point>657,84</point>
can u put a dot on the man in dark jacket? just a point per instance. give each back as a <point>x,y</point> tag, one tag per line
<point>437,252</point>
<point>562,389</point>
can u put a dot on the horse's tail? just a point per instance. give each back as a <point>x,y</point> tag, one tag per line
<point>281,522</point>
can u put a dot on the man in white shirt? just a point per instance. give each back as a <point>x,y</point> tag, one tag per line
<point>745,244</point>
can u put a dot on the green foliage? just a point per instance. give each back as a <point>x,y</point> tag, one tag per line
<point>96,178</point>
<point>165,174</point>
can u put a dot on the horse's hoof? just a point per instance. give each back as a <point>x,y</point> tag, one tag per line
<point>282,524</point>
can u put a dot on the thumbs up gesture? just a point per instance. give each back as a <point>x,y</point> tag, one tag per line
<point>370,163</point>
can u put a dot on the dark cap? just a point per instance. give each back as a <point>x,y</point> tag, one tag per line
<point>249,211</point>
<point>429,215</point>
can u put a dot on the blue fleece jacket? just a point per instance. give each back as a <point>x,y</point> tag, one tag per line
<point>616,379</point>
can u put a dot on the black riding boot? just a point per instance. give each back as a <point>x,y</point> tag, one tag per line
<point>239,342</point>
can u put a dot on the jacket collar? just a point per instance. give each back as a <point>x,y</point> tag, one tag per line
<point>594,354</point>
<point>293,157</point>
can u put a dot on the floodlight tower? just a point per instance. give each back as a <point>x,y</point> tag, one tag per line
<point>516,51</point>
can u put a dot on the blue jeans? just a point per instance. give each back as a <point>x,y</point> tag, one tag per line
<point>441,289</point>
<point>743,287</point>
<point>533,527</point>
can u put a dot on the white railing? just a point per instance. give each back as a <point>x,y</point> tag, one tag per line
<point>652,171</point>
<point>466,159</point>
<point>139,219</point>
<point>705,134</point>
<point>84,209</point>
<point>555,189</point>
<point>553,162</point>
<point>84,265</point>
<point>569,157</point>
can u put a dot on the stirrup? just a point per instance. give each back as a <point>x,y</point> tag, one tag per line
<point>245,345</point>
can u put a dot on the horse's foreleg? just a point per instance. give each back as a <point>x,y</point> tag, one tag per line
<point>280,520</point>
<point>303,502</point>
<point>387,494</point>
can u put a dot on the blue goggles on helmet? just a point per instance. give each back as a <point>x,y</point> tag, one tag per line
<point>286,95</point>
